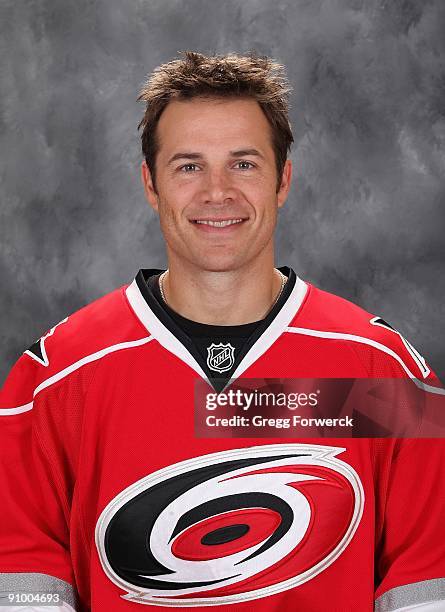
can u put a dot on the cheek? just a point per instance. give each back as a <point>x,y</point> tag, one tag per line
<point>266,204</point>
<point>178,196</point>
<point>172,201</point>
<point>260,191</point>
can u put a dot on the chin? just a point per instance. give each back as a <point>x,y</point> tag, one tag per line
<point>219,264</point>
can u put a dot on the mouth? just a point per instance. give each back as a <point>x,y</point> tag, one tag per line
<point>218,224</point>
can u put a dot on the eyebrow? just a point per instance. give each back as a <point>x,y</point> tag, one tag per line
<point>184,155</point>
<point>192,155</point>
<point>245,152</point>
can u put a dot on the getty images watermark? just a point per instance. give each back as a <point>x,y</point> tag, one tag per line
<point>334,408</point>
<point>254,400</point>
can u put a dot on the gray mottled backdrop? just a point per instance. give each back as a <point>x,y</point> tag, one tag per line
<point>366,214</point>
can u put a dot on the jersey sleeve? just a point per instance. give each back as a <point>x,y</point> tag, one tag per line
<point>35,563</point>
<point>410,560</point>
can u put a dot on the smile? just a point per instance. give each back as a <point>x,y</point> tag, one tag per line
<point>215,223</point>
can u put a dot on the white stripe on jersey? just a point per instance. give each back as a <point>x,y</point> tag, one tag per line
<point>75,366</point>
<point>381,347</point>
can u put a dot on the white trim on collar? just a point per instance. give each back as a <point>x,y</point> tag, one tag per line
<point>169,341</point>
<point>277,327</point>
<point>158,330</point>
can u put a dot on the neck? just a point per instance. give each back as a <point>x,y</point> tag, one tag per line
<point>232,297</point>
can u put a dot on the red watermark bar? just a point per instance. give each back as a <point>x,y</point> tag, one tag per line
<point>320,407</point>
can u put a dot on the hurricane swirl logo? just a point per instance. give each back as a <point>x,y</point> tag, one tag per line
<point>232,526</point>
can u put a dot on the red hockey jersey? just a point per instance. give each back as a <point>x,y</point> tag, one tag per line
<point>110,501</point>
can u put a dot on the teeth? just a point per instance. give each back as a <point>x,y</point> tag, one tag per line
<point>219,223</point>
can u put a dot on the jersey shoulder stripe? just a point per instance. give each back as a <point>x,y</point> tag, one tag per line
<point>332,318</point>
<point>102,327</point>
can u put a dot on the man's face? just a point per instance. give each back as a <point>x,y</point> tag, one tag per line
<point>216,163</point>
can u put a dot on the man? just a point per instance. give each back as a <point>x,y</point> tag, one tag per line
<point>109,498</point>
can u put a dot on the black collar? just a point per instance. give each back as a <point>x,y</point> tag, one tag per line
<point>162,313</point>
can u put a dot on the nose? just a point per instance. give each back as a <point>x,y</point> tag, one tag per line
<point>218,188</point>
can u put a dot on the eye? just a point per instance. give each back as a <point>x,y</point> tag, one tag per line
<point>246,165</point>
<point>187,168</point>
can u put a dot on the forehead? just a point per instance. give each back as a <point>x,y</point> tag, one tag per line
<point>213,122</point>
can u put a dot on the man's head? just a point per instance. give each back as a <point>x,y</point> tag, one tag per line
<point>230,76</point>
<point>215,141</point>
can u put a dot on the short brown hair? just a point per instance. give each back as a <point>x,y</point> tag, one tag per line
<point>218,76</point>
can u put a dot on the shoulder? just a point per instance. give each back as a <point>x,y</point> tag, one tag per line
<point>101,324</point>
<point>85,336</point>
<point>376,341</point>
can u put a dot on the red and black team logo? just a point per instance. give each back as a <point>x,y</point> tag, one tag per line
<point>231,526</point>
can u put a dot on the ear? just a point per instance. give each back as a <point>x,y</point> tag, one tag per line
<point>286,179</point>
<point>150,193</point>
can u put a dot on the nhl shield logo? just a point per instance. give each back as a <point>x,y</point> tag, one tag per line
<point>220,357</point>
